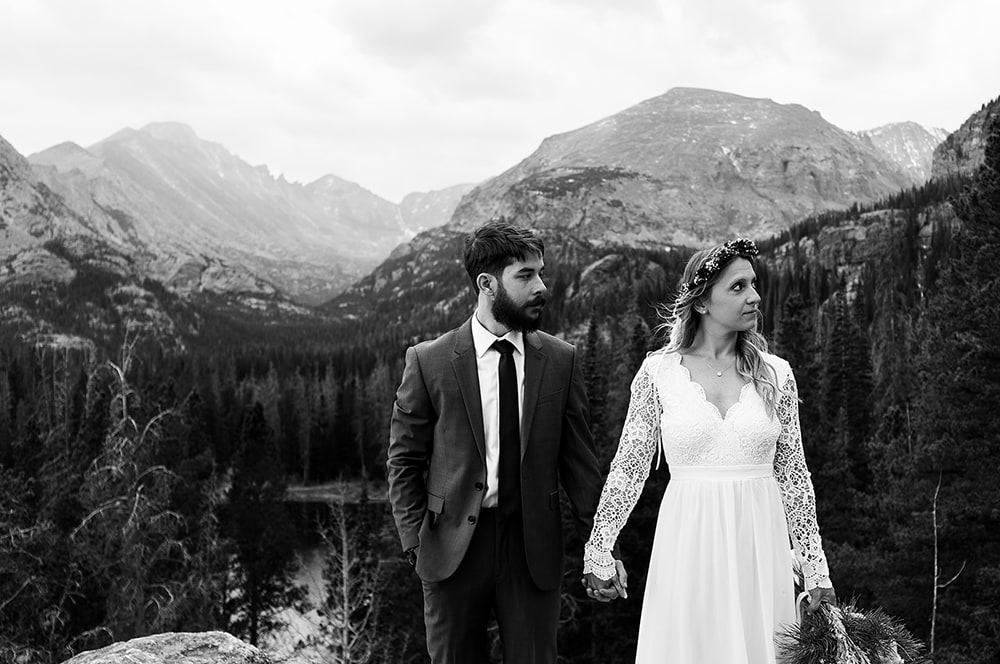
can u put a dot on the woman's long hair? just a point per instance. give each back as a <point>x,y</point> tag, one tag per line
<point>681,323</point>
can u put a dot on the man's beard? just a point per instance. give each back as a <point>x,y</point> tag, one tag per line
<point>515,317</point>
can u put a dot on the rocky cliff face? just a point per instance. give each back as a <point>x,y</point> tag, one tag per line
<point>908,144</point>
<point>962,152</point>
<point>846,247</point>
<point>689,167</point>
<point>29,212</point>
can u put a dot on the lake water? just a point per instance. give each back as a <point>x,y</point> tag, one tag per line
<point>296,643</point>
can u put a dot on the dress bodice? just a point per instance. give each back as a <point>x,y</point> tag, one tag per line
<point>692,430</point>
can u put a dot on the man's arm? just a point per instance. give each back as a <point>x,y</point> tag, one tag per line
<point>578,466</point>
<point>411,433</point>
<point>581,478</point>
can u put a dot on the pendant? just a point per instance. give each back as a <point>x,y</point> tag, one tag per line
<point>719,374</point>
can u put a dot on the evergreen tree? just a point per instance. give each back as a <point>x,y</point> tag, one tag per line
<point>958,422</point>
<point>594,358</point>
<point>261,532</point>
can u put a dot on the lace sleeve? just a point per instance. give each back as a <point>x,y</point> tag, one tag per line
<point>796,487</point>
<point>629,470</point>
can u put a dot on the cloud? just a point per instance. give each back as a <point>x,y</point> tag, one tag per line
<point>402,96</point>
<point>405,32</point>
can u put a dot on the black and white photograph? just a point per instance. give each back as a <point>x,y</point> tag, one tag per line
<point>507,332</point>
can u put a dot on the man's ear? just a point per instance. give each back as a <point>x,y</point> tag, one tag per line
<point>485,283</point>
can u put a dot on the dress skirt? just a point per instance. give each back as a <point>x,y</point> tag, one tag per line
<point>720,579</point>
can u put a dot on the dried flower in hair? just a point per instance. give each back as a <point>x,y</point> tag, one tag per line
<point>741,248</point>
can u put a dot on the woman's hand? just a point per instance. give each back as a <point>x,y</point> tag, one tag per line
<point>818,595</point>
<point>613,588</point>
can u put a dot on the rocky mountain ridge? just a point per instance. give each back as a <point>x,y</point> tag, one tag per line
<point>963,151</point>
<point>909,144</point>
<point>201,219</point>
<point>688,167</point>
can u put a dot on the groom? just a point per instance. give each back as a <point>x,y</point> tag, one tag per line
<point>489,420</point>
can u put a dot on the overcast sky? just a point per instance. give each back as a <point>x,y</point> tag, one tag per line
<point>415,95</point>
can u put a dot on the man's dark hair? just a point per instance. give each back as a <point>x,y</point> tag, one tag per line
<point>495,245</point>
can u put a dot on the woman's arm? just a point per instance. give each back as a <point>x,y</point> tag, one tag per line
<point>629,470</point>
<point>796,487</point>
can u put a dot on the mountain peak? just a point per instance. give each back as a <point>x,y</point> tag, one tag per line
<point>175,132</point>
<point>66,157</point>
<point>688,94</point>
<point>706,165</point>
<point>908,143</point>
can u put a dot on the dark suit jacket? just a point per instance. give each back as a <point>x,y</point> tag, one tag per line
<point>437,454</point>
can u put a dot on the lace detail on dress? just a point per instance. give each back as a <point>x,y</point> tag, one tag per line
<point>629,470</point>
<point>796,487</point>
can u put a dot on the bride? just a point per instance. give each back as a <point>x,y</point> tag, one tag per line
<point>723,413</point>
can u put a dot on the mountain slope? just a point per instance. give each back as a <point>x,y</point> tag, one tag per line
<point>964,150</point>
<point>201,219</point>
<point>688,167</point>
<point>908,144</point>
<point>423,210</point>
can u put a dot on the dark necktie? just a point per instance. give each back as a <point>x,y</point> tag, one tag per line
<point>509,472</point>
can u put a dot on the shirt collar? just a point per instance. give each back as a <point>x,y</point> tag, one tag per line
<point>483,339</point>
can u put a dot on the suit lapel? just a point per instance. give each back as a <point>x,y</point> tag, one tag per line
<point>467,374</point>
<point>534,369</point>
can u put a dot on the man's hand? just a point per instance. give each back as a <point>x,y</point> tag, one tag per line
<point>606,591</point>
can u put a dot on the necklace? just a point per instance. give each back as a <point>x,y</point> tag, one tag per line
<point>718,372</point>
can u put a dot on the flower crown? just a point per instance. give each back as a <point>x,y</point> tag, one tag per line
<point>741,247</point>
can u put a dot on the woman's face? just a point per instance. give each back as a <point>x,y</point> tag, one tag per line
<point>733,302</point>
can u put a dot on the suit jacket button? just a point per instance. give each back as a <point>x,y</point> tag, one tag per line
<point>472,519</point>
<point>479,486</point>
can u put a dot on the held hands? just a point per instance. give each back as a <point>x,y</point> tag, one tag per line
<point>606,591</point>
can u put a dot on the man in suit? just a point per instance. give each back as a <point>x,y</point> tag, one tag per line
<point>489,419</point>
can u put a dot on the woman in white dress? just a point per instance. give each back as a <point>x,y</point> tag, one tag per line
<point>723,413</point>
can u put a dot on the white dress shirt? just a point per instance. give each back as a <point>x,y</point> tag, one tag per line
<point>488,363</point>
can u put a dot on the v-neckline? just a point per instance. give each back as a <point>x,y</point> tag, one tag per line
<point>704,397</point>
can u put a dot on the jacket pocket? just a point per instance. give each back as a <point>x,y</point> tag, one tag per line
<point>435,506</point>
<point>554,500</point>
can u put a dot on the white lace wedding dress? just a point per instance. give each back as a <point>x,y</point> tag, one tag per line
<point>720,579</point>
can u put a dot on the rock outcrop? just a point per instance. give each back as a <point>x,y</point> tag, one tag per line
<point>176,648</point>
<point>963,151</point>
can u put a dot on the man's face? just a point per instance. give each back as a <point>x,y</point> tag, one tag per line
<point>520,295</point>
